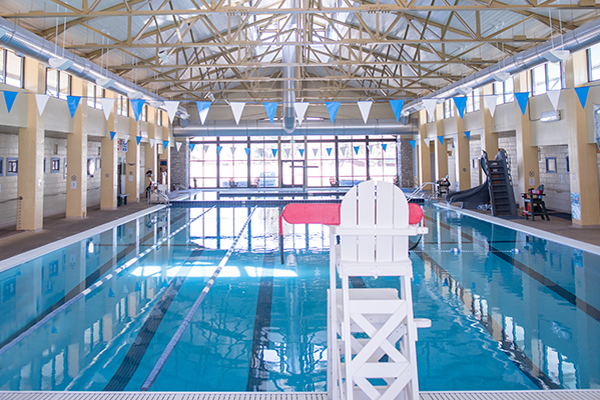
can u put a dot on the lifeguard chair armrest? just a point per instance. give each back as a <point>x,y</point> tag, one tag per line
<point>423,322</point>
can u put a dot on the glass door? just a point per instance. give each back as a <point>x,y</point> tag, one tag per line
<point>292,172</point>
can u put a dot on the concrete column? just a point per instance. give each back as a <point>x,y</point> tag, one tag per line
<point>441,153</point>
<point>132,158</point>
<point>423,151</point>
<point>585,201</point>
<point>463,158</point>
<point>527,155</point>
<point>405,163</point>
<point>77,155</point>
<point>30,180</point>
<point>108,181</point>
<point>150,155</point>
<point>489,139</point>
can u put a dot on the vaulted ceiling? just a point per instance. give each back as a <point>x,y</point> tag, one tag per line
<point>341,49</point>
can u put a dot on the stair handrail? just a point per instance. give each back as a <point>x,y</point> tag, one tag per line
<point>420,189</point>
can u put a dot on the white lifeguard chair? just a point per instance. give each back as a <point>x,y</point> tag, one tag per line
<point>372,332</point>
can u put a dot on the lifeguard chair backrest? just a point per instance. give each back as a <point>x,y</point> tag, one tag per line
<point>374,206</point>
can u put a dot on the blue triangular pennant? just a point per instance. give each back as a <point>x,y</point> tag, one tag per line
<point>332,109</point>
<point>138,139</point>
<point>271,109</point>
<point>461,104</point>
<point>247,151</point>
<point>301,152</point>
<point>112,135</point>
<point>9,98</point>
<point>73,102</point>
<point>192,145</point>
<point>441,139</point>
<point>384,146</point>
<point>397,108</point>
<point>582,94</point>
<point>329,150</point>
<point>274,151</point>
<point>110,292</point>
<point>54,330</point>
<point>356,149</point>
<point>522,99</point>
<point>137,105</point>
<point>165,144</point>
<point>467,134</point>
<point>219,148</point>
<point>412,143</point>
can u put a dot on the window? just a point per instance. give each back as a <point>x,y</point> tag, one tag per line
<point>448,109</point>
<point>123,106</point>
<point>144,114</point>
<point>2,166</point>
<point>12,166</point>
<point>91,167</point>
<point>506,89</point>
<point>551,165</point>
<point>593,54</point>
<point>94,95</point>
<point>58,83</point>
<point>54,165</point>
<point>546,77</point>
<point>13,75</point>
<point>159,117</point>
<point>473,101</point>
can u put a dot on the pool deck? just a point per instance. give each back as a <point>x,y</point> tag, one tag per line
<point>515,395</point>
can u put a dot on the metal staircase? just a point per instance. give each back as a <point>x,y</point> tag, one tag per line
<point>500,185</point>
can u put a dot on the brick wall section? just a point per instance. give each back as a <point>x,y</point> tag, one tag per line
<point>9,147</point>
<point>508,142</point>
<point>180,166</point>
<point>55,184</point>
<point>406,163</point>
<point>557,186</point>
<point>474,156</point>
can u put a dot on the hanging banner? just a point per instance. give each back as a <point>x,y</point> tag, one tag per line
<point>412,143</point>
<point>219,148</point>
<point>554,97</point>
<point>301,152</point>
<point>136,106</point>
<point>430,106</point>
<point>107,105</point>
<point>426,141</point>
<point>441,139</point>
<point>41,100</point>
<point>397,108</point>
<point>9,98</point>
<point>582,94</point>
<point>315,152</point>
<point>138,139</point>
<point>491,102</point>
<point>152,142</point>
<point>332,109</point>
<point>365,109</point>
<point>165,144</point>
<point>356,149</point>
<point>206,148</point>
<point>329,151</point>
<point>274,151</point>
<point>300,109</point>
<point>178,145</point>
<point>73,102</point>
<point>287,152</point>
<point>192,145</point>
<point>247,151</point>
<point>271,109</point>
<point>203,107</point>
<point>461,104</point>
<point>127,138</point>
<point>522,99</point>
<point>171,107</point>
<point>232,151</point>
<point>467,134</point>
<point>344,149</point>
<point>370,148</point>
<point>112,135</point>
<point>384,146</point>
<point>237,108</point>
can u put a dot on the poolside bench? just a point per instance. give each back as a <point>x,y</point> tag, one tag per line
<point>122,200</point>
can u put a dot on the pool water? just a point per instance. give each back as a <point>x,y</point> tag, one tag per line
<point>509,311</point>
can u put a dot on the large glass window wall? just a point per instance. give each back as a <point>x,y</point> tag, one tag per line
<point>291,161</point>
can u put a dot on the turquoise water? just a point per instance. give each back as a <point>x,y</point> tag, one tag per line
<point>509,311</point>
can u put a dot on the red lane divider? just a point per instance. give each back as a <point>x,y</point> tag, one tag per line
<point>315,213</point>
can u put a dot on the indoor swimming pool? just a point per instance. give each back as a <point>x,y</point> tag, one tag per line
<point>509,311</point>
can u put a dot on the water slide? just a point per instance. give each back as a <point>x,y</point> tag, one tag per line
<point>473,197</point>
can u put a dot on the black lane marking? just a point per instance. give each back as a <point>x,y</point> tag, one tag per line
<point>509,347</point>
<point>137,350</point>
<point>555,287</point>
<point>257,373</point>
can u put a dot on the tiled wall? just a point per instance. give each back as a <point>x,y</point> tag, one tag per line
<point>180,166</point>
<point>9,147</point>
<point>474,156</point>
<point>557,185</point>
<point>508,142</point>
<point>406,163</point>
